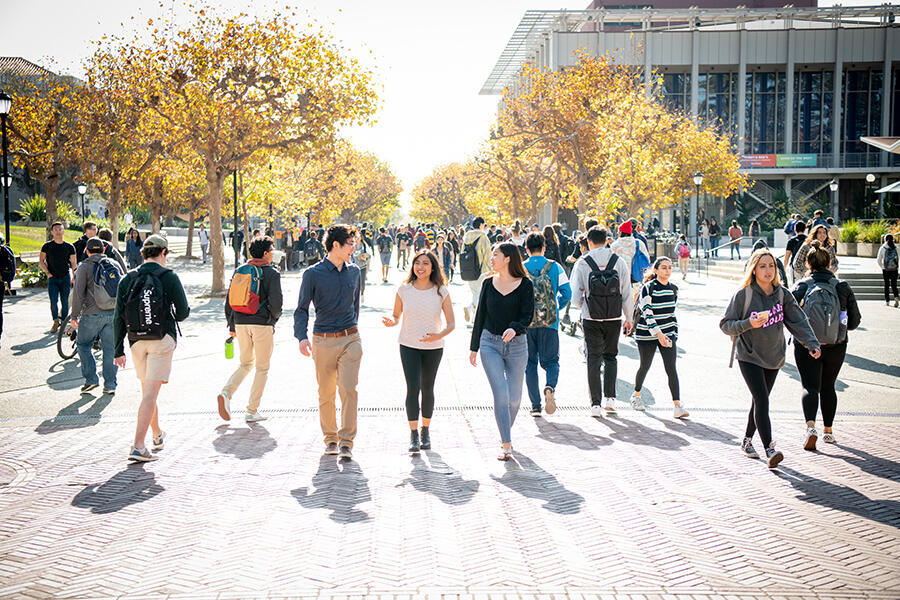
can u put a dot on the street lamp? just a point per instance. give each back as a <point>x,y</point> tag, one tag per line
<point>870,179</point>
<point>234,240</point>
<point>82,190</point>
<point>698,181</point>
<point>833,186</point>
<point>5,105</point>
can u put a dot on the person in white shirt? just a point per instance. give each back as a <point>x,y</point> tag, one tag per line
<point>602,317</point>
<point>627,245</point>
<point>203,234</point>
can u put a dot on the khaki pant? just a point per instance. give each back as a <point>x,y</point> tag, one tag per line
<point>255,343</point>
<point>337,367</point>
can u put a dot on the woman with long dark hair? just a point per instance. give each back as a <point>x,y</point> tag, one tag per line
<point>818,375</point>
<point>505,310</point>
<point>887,261</point>
<point>421,300</point>
<point>133,245</point>
<point>454,246</point>
<point>551,245</point>
<point>818,232</point>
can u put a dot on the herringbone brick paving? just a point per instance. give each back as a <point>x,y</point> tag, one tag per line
<point>637,506</point>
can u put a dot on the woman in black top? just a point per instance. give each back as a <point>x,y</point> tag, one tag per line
<point>551,245</point>
<point>818,375</point>
<point>505,310</point>
<point>714,231</point>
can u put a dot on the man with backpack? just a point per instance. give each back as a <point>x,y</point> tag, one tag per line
<point>91,231</point>
<point>7,274</point>
<point>474,263</point>
<point>93,307</point>
<point>313,251</point>
<point>149,304</point>
<point>385,244</point>
<point>601,288</point>
<point>252,308</point>
<point>404,240</point>
<point>551,293</point>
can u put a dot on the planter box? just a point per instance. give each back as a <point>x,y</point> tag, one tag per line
<point>866,249</point>
<point>846,248</point>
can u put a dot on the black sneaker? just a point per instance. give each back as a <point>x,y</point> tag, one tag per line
<point>345,453</point>
<point>773,456</point>
<point>88,387</point>
<point>331,449</point>
<point>536,411</point>
<point>426,439</point>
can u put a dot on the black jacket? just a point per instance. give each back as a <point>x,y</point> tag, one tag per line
<point>845,296</point>
<point>270,301</point>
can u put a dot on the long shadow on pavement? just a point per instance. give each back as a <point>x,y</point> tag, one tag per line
<point>244,443</point>
<point>338,488</point>
<point>698,431</point>
<point>865,364</point>
<point>873,465</point>
<point>438,478</point>
<point>524,476</point>
<point>840,497</point>
<point>71,417</point>
<point>38,344</point>
<point>632,432</point>
<point>65,375</point>
<point>569,435</point>
<point>127,487</point>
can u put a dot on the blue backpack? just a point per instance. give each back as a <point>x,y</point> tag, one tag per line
<point>107,276</point>
<point>639,263</point>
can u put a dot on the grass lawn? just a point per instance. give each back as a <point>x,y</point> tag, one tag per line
<point>30,239</point>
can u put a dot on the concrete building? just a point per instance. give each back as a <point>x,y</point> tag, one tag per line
<point>795,87</point>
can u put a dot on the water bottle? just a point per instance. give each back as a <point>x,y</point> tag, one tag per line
<point>229,348</point>
<point>844,317</point>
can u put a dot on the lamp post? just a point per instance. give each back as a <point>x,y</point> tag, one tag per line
<point>870,179</point>
<point>698,181</point>
<point>82,190</point>
<point>5,104</point>
<point>234,239</point>
<point>833,186</point>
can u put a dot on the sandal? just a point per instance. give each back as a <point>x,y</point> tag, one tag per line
<point>505,453</point>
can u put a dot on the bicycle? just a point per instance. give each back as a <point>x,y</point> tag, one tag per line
<point>65,339</point>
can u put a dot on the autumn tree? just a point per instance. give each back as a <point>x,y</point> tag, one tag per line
<point>450,194</point>
<point>228,88</point>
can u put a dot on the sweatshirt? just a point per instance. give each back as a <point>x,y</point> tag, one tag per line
<point>83,302</point>
<point>580,277</point>
<point>172,289</point>
<point>765,346</point>
<point>270,299</point>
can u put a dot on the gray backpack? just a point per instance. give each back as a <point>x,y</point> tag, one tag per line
<point>823,309</point>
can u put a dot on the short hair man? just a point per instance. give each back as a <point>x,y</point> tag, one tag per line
<point>793,244</point>
<point>254,332</point>
<point>94,318</point>
<point>385,245</point>
<point>110,250</point>
<point>152,358</point>
<point>333,287</point>
<point>57,259</point>
<point>479,238</point>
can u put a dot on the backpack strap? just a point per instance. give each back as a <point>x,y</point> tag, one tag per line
<point>590,261</point>
<point>748,298</point>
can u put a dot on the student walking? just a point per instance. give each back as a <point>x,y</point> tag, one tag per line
<point>444,254</point>
<point>203,236</point>
<point>683,252</point>
<point>755,318</point>
<point>714,232</point>
<point>657,328</point>
<point>704,237</point>
<point>149,303</point>
<point>361,258</point>
<point>404,241</point>
<point>793,245</point>
<point>505,309</point>
<point>385,245</point>
<point>111,251</point>
<point>313,250</point>
<point>887,261</point>
<point>551,293</point>
<point>93,308</point>
<point>832,310</point>
<point>817,232</point>
<point>56,260</point>
<point>601,288</point>
<point>7,273</point>
<point>474,263</point>
<point>734,234</point>
<point>133,245</point>
<point>333,287</point>
<point>252,308</point>
<point>421,300</point>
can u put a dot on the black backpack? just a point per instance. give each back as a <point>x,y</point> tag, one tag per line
<point>146,308</point>
<point>469,269</point>
<point>311,251</point>
<point>7,264</point>
<point>384,244</point>
<point>604,297</point>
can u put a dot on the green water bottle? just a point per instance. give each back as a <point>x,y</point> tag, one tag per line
<point>229,348</point>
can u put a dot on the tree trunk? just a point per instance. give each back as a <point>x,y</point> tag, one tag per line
<point>114,206</point>
<point>156,204</point>
<point>155,214</point>
<point>215,181</point>
<point>189,252</point>
<point>554,208</point>
<point>50,187</point>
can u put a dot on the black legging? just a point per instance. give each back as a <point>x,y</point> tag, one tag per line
<point>420,369</point>
<point>890,281</point>
<point>817,378</point>
<point>647,350</point>
<point>760,382</point>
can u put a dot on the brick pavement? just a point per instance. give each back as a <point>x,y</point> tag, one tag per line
<point>639,507</point>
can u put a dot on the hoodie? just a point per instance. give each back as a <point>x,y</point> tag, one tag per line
<point>765,346</point>
<point>482,248</point>
<point>270,299</point>
<point>781,272</point>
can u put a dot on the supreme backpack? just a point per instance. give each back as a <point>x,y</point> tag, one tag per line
<point>823,309</point>
<point>146,307</point>
<point>107,276</point>
<point>7,264</point>
<point>544,298</point>
<point>243,292</point>
<point>469,268</point>
<point>604,295</point>
<point>890,259</point>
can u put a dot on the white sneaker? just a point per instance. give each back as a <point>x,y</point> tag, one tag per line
<point>636,402</point>
<point>596,410</point>
<point>254,417</point>
<point>828,438</point>
<point>609,405</point>
<point>224,405</point>
<point>680,411</point>
<point>811,436</point>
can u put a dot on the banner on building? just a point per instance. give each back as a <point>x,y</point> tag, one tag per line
<point>756,161</point>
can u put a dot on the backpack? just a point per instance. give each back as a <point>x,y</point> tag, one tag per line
<point>421,241</point>
<point>823,309</point>
<point>469,268</point>
<point>243,291</point>
<point>544,298</point>
<point>146,307</point>
<point>311,252</point>
<point>604,294</point>
<point>684,251</point>
<point>107,276</point>
<point>384,244</point>
<point>890,259</point>
<point>7,264</point>
<point>639,263</point>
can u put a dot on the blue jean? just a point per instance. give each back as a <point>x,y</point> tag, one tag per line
<point>736,247</point>
<point>504,365</point>
<point>90,327</point>
<point>59,288</point>
<point>713,242</point>
<point>543,347</point>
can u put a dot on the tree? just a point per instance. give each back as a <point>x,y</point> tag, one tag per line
<point>229,88</point>
<point>449,195</point>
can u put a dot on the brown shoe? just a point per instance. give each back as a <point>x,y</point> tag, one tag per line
<point>55,327</point>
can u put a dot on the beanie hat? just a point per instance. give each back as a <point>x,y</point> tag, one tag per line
<point>625,227</point>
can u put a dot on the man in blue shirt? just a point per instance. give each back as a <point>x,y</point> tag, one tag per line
<point>333,286</point>
<point>551,292</point>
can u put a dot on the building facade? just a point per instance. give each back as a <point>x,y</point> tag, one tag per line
<point>795,88</point>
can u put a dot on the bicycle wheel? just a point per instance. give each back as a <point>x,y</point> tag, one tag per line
<point>65,340</point>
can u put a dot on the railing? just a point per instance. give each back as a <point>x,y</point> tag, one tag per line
<point>708,253</point>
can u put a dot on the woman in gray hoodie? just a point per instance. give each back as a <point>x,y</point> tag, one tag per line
<point>756,318</point>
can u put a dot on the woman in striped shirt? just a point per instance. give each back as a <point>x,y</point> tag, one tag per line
<point>657,328</point>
